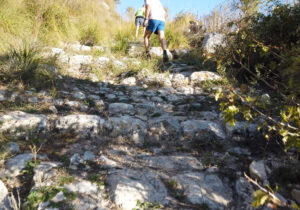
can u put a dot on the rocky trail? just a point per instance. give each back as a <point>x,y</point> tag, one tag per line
<point>148,141</point>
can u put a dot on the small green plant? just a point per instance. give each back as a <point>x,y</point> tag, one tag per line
<point>97,179</point>
<point>29,168</point>
<point>65,179</point>
<point>44,194</point>
<point>147,205</point>
<point>172,184</point>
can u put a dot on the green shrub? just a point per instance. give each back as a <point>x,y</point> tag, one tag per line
<point>264,54</point>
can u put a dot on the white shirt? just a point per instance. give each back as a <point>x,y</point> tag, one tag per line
<point>157,10</point>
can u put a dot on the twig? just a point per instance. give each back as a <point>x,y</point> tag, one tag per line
<point>261,113</point>
<point>276,200</point>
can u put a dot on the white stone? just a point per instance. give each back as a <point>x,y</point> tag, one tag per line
<point>106,162</point>
<point>4,198</point>
<point>212,41</point>
<point>79,95</point>
<point>120,108</point>
<point>20,124</point>
<point>76,159</point>
<point>56,51</point>
<point>102,61</point>
<point>258,170</point>
<point>12,148</point>
<point>33,100</point>
<point>125,125</point>
<point>59,197</point>
<point>203,129</point>
<point>119,64</point>
<point>158,52</point>
<point>75,47</point>
<point>58,102</point>
<point>127,186</point>
<point>173,162</point>
<point>80,125</point>
<point>53,109</point>
<point>88,156</point>
<point>179,79</point>
<point>83,187</point>
<point>200,76</point>
<point>131,81</point>
<point>78,60</point>
<point>43,172</point>
<point>202,188</point>
<point>165,126</point>
<point>85,48</point>
<point>15,165</point>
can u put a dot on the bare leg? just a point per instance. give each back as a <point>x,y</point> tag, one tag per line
<point>146,40</point>
<point>144,30</point>
<point>137,31</point>
<point>161,36</point>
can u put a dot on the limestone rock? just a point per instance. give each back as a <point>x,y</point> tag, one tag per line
<point>243,189</point>
<point>173,162</point>
<point>88,156</point>
<point>120,108</point>
<point>158,52</point>
<point>77,60</point>
<point>131,81</point>
<point>101,61</point>
<point>12,148</point>
<point>83,187</point>
<point>127,186</point>
<point>203,130</point>
<point>20,124</point>
<point>258,170</point>
<point>15,165</point>
<point>126,125</point>
<point>44,172</point>
<point>202,188</point>
<point>59,197</point>
<point>178,80</point>
<point>165,126</point>
<point>79,95</point>
<point>212,41</point>
<point>200,76</point>
<point>76,159</point>
<point>80,125</point>
<point>4,198</point>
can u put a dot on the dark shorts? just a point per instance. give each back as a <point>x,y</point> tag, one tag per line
<point>139,21</point>
<point>156,25</point>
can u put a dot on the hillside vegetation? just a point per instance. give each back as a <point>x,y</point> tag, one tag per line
<point>51,22</point>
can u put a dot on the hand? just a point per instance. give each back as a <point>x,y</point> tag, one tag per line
<point>145,22</point>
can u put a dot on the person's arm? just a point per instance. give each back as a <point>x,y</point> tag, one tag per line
<point>147,12</point>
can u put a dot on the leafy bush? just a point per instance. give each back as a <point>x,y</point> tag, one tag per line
<point>26,64</point>
<point>264,53</point>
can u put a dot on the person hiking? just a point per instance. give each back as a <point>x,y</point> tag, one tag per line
<point>155,18</point>
<point>139,20</point>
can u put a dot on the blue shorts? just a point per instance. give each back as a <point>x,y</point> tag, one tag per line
<point>155,26</point>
